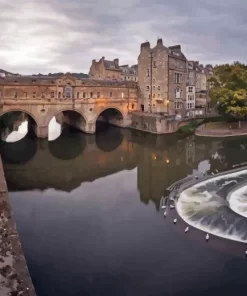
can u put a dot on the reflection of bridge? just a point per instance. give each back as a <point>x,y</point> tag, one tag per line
<point>82,101</point>
<point>45,164</point>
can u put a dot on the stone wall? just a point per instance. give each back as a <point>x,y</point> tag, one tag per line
<point>14,274</point>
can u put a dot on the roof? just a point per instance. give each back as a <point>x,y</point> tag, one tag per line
<point>32,80</point>
<point>111,65</point>
<point>175,52</point>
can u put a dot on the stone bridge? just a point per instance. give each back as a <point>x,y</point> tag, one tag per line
<point>78,102</point>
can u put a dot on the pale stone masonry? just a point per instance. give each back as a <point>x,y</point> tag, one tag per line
<point>110,70</point>
<point>162,77</point>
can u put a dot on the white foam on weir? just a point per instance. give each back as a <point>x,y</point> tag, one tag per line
<point>19,134</point>
<point>207,211</point>
<point>238,201</point>
<point>54,129</point>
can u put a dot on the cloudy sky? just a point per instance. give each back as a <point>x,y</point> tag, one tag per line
<point>65,35</point>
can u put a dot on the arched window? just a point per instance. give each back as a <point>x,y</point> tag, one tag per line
<point>68,91</point>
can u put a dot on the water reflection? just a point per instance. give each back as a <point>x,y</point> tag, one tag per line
<point>82,224</point>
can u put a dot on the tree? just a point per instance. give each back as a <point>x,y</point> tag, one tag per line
<point>229,91</point>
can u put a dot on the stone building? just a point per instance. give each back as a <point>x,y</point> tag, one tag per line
<point>110,70</point>
<point>162,77</point>
<point>129,73</point>
<point>198,80</point>
<point>105,69</point>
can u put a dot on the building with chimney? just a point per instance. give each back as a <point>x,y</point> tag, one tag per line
<point>162,77</point>
<point>105,70</point>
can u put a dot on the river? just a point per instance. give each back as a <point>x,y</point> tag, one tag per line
<point>88,212</point>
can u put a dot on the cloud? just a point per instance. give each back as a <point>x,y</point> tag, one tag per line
<point>65,35</point>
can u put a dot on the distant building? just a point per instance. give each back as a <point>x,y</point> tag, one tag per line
<point>105,70</point>
<point>129,73</point>
<point>198,76</point>
<point>162,77</point>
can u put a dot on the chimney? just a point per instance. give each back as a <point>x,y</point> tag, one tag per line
<point>103,58</point>
<point>93,62</point>
<point>116,62</point>
<point>160,41</point>
<point>145,46</point>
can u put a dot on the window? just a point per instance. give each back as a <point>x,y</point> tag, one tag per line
<point>59,95</point>
<point>154,64</point>
<point>147,87</point>
<point>84,95</point>
<point>98,94</point>
<point>52,94</point>
<point>148,73</point>
<point>154,80</point>
<point>190,97</point>
<point>158,87</point>
<point>68,91</point>
<point>178,105</point>
<point>190,89</point>
<point>91,94</point>
<point>34,95</point>
<point>33,81</point>
<point>153,95</point>
<point>178,78</point>
<point>158,95</point>
<point>25,95</point>
<point>43,95</point>
<point>110,94</point>
<point>154,87</point>
<point>0,94</point>
<point>15,94</point>
<point>133,106</point>
<point>200,95</point>
<point>177,93</point>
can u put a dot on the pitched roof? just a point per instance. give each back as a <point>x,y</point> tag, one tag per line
<point>111,65</point>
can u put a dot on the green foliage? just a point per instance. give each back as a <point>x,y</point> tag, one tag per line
<point>229,91</point>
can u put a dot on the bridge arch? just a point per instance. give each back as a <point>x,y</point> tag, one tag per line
<point>109,108</point>
<point>69,116</point>
<point>14,126</point>
<point>21,110</point>
<point>110,115</point>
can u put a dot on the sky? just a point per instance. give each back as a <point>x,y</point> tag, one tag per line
<point>42,36</point>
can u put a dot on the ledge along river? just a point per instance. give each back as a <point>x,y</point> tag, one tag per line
<point>88,213</point>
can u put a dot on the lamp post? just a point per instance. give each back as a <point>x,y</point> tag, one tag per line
<point>151,77</point>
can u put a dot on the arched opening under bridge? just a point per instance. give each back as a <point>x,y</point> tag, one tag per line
<point>65,120</point>
<point>15,125</point>
<point>109,116</point>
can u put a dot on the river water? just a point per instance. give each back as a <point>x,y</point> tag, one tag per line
<point>88,212</point>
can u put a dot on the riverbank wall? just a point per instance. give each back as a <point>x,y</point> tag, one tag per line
<point>14,275</point>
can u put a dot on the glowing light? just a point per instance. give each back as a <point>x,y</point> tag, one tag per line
<point>167,161</point>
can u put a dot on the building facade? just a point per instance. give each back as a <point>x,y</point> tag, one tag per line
<point>105,70</point>
<point>110,70</point>
<point>129,73</point>
<point>162,77</point>
<point>198,76</point>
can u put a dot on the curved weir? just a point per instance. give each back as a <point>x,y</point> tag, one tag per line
<point>216,205</point>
